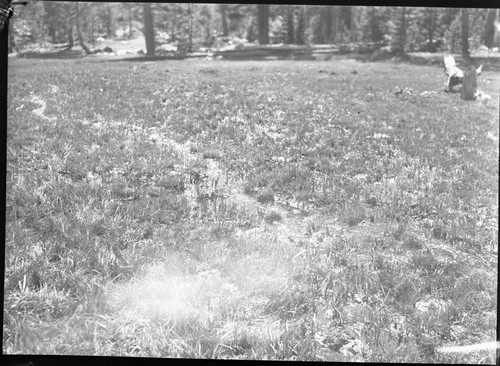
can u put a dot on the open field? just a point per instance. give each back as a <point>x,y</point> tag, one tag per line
<point>291,210</point>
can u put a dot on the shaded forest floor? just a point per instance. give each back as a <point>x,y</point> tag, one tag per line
<point>293,210</point>
<point>134,49</point>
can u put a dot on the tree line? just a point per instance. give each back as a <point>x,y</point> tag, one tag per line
<point>191,26</point>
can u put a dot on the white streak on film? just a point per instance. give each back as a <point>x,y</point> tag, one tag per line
<point>470,348</point>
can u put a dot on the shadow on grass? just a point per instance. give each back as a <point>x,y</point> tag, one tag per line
<point>64,54</point>
<point>146,58</point>
<point>164,58</point>
<point>491,63</point>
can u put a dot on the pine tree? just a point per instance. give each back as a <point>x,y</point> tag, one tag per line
<point>465,33</point>
<point>149,29</point>
<point>489,28</point>
<point>290,38</point>
<point>300,35</point>
<point>263,16</point>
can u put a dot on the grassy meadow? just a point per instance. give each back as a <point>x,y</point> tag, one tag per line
<point>284,210</point>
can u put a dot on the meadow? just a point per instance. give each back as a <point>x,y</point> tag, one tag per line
<point>285,210</point>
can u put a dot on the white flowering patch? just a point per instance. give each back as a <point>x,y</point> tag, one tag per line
<point>360,177</point>
<point>353,350</point>
<point>94,147</point>
<point>432,305</point>
<point>40,112</point>
<point>98,126</point>
<point>94,179</point>
<point>377,135</point>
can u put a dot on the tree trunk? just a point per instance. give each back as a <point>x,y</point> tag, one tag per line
<point>402,32</point>
<point>92,32</point>
<point>190,35</point>
<point>329,23</point>
<point>69,34</point>
<point>353,37</point>
<point>489,28</point>
<point>469,84</point>
<point>108,20</point>
<point>52,33</point>
<point>129,21</point>
<point>12,41</point>
<point>263,14</point>
<point>289,25</point>
<point>432,26</point>
<point>40,30</point>
<point>149,32</point>
<point>79,30</point>
<point>301,27</point>
<point>336,23</point>
<point>465,33</point>
<point>223,16</point>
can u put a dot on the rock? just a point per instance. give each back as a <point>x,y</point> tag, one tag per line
<point>108,49</point>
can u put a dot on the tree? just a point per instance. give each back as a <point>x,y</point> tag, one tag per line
<point>300,36</point>
<point>336,24</point>
<point>328,18</point>
<point>127,12</point>
<point>189,27</point>
<point>129,6</point>
<point>429,23</point>
<point>149,32</point>
<point>290,39</point>
<point>79,29</point>
<point>465,33</point>
<point>489,29</point>
<point>320,23</point>
<point>453,26</point>
<point>223,16</point>
<point>401,31</point>
<point>205,22</point>
<point>236,14</point>
<point>52,18</point>
<point>374,30</point>
<point>106,15</point>
<point>353,22</point>
<point>263,20</point>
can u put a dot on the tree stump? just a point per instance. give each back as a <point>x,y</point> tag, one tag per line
<point>469,84</point>
<point>455,75</point>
